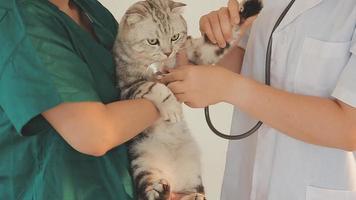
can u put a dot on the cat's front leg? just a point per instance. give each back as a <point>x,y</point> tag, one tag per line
<point>170,109</point>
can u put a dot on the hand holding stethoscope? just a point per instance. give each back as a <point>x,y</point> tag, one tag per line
<point>203,76</point>
<point>217,26</point>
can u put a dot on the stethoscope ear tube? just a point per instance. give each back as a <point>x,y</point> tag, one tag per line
<point>267,82</point>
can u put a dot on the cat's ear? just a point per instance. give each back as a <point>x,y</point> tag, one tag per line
<point>176,7</point>
<point>132,19</point>
<point>133,16</point>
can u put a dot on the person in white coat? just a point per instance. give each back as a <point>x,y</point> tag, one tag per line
<point>306,148</point>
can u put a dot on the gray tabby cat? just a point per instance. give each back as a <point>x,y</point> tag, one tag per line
<point>164,158</point>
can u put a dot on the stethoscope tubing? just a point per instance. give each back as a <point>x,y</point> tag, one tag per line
<point>267,82</point>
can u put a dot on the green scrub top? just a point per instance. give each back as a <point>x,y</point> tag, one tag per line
<point>46,59</point>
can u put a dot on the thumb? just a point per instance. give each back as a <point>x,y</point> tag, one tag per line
<point>182,58</point>
<point>234,10</point>
<point>247,24</point>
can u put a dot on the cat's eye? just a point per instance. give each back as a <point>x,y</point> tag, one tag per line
<point>153,41</point>
<point>175,37</point>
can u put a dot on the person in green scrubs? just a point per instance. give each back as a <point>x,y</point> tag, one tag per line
<point>62,127</point>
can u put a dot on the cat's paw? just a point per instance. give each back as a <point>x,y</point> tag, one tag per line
<point>194,196</point>
<point>170,109</point>
<point>159,190</point>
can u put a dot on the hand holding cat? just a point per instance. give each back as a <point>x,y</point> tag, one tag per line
<point>218,24</point>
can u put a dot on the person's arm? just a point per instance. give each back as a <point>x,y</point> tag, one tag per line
<point>315,120</point>
<point>233,59</point>
<point>49,76</point>
<point>94,128</point>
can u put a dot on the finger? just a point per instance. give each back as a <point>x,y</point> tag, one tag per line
<point>166,70</point>
<point>247,24</point>
<point>173,76</point>
<point>181,69</point>
<point>182,58</point>
<point>176,87</point>
<point>181,97</point>
<point>192,105</point>
<point>205,29</point>
<point>225,23</point>
<point>169,70</point>
<point>234,10</point>
<point>215,24</point>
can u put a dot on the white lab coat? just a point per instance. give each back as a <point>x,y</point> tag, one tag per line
<point>314,53</point>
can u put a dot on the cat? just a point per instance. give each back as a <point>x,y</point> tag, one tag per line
<point>165,158</point>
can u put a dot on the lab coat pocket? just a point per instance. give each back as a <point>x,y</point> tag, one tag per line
<point>317,193</point>
<point>320,65</point>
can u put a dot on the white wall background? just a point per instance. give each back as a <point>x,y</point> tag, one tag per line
<point>213,148</point>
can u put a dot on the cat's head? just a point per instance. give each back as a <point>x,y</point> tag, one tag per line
<point>153,30</point>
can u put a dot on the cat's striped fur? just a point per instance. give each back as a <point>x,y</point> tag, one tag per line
<point>164,158</point>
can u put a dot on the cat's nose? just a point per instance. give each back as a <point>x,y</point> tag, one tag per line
<point>168,53</point>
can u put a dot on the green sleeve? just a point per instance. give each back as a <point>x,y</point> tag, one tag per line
<point>42,72</point>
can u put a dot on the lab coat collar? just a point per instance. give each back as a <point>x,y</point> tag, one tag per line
<point>299,7</point>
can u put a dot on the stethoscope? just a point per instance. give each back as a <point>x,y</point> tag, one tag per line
<point>267,82</point>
